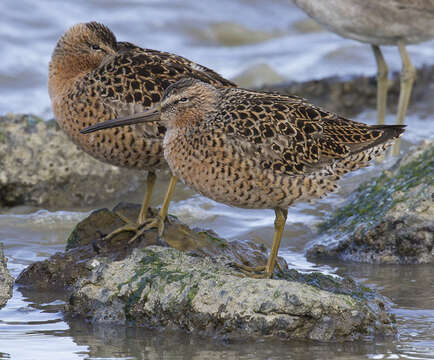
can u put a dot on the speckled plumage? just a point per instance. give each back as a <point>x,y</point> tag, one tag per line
<point>88,85</point>
<point>262,150</point>
<point>385,22</point>
<point>258,150</point>
<point>93,78</point>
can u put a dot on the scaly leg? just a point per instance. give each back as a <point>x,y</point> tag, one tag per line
<point>134,227</point>
<point>150,182</point>
<point>408,75</point>
<point>267,271</point>
<point>159,221</point>
<point>279,226</point>
<point>382,72</point>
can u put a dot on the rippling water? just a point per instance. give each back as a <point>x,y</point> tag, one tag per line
<point>276,42</point>
<point>271,37</point>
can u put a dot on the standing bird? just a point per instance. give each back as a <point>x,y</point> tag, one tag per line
<point>258,150</point>
<point>93,78</point>
<point>385,22</point>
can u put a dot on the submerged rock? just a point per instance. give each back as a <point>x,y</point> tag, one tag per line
<point>6,280</point>
<point>193,286</point>
<point>387,220</point>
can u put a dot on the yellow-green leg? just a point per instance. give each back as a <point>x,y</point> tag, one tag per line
<point>161,217</point>
<point>150,182</point>
<point>279,226</point>
<point>382,84</point>
<point>134,227</point>
<point>267,270</point>
<point>408,75</point>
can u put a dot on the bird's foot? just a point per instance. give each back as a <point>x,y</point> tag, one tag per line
<point>137,228</point>
<point>148,224</point>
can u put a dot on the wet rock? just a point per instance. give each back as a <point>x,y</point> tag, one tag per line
<point>192,285</point>
<point>160,287</point>
<point>40,166</point>
<point>387,220</point>
<point>6,280</point>
<point>62,270</point>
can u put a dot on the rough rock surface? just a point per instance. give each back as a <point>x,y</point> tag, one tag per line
<point>40,166</point>
<point>62,270</point>
<point>387,220</point>
<point>191,285</point>
<point>162,287</point>
<point>6,280</point>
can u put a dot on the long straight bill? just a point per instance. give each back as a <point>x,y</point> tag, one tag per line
<point>153,114</point>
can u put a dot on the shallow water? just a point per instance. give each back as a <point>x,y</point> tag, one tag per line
<point>230,36</point>
<point>32,326</point>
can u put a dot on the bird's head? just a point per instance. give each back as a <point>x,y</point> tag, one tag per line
<point>81,49</point>
<point>184,104</point>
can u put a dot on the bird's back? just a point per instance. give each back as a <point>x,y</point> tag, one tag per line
<point>129,82</point>
<point>277,149</point>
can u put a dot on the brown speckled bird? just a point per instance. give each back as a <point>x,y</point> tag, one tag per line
<point>93,78</point>
<point>259,150</point>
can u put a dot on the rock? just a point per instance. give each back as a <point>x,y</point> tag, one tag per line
<point>62,270</point>
<point>160,287</point>
<point>387,220</point>
<point>6,280</point>
<point>192,285</point>
<point>40,166</point>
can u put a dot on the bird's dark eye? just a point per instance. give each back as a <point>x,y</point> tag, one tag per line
<point>184,99</point>
<point>95,47</point>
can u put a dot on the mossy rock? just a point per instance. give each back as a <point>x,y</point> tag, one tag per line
<point>389,219</point>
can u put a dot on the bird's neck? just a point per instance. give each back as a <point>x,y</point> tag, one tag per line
<point>65,70</point>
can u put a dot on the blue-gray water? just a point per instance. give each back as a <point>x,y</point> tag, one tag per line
<point>279,43</point>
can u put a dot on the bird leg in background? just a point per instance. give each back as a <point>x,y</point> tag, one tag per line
<point>408,75</point>
<point>267,270</point>
<point>150,181</point>
<point>135,227</point>
<point>161,217</point>
<point>382,84</point>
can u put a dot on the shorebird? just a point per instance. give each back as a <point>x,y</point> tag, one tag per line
<point>385,22</point>
<point>93,77</point>
<point>258,150</point>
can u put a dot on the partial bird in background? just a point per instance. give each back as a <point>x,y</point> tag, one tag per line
<point>385,22</point>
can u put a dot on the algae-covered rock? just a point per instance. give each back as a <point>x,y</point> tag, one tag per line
<point>160,287</point>
<point>387,220</point>
<point>40,166</point>
<point>6,280</point>
<point>86,242</point>
<point>191,284</point>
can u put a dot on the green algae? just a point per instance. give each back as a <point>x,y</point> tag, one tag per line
<point>320,281</point>
<point>152,271</point>
<point>220,242</point>
<point>372,200</point>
